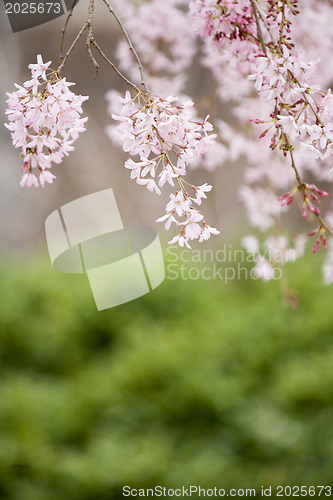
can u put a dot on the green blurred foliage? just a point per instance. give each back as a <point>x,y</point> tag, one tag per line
<point>196,383</point>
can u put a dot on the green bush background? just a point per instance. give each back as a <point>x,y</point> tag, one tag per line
<point>196,383</point>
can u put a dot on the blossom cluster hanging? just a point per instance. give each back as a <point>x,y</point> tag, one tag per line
<point>167,137</point>
<point>44,120</point>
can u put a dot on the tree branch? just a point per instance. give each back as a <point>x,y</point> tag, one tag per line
<point>63,31</point>
<point>82,30</point>
<point>130,44</point>
<point>301,184</point>
<point>90,36</point>
<point>259,32</point>
<point>113,66</point>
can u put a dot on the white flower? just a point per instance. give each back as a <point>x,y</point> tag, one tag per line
<point>289,126</point>
<point>150,183</point>
<point>29,179</point>
<point>178,203</point>
<point>200,192</point>
<point>39,70</point>
<point>46,176</point>
<point>169,218</point>
<point>181,240</point>
<point>207,231</point>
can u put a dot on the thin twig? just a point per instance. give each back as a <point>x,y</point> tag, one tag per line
<point>63,31</point>
<point>282,23</point>
<point>82,30</point>
<point>259,32</point>
<point>266,26</point>
<point>324,225</point>
<point>98,48</point>
<point>301,184</point>
<point>130,44</point>
<point>90,36</point>
<point>297,174</point>
<point>91,41</point>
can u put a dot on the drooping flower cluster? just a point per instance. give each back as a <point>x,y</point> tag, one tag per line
<point>228,30</point>
<point>44,120</point>
<point>298,110</point>
<point>310,192</point>
<point>293,111</point>
<point>300,116</point>
<point>167,137</point>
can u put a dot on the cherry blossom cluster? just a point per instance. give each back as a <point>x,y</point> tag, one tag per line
<point>228,30</point>
<point>166,137</point>
<point>301,112</point>
<point>44,121</point>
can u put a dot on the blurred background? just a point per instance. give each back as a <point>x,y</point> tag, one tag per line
<point>199,382</point>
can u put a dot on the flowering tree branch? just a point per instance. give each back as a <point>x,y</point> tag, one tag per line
<point>303,187</point>
<point>166,136</point>
<point>254,38</point>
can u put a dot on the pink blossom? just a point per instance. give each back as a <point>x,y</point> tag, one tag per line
<point>29,179</point>
<point>44,121</point>
<point>39,70</point>
<point>46,176</point>
<point>207,231</point>
<point>201,191</point>
<point>178,203</point>
<point>181,240</point>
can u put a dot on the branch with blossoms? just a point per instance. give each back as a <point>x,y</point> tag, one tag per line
<point>254,38</point>
<point>306,120</point>
<point>285,78</point>
<point>166,135</point>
